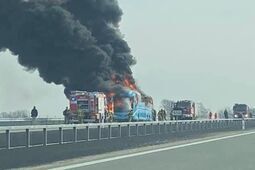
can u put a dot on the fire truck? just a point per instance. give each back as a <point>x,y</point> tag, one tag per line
<point>241,111</point>
<point>184,110</point>
<point>86,107</point>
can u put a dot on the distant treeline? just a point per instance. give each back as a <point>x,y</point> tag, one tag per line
<point>15,114</point>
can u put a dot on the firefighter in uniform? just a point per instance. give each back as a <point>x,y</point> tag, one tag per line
<point>130,114</point>
<point>66,113</point>
<point>163,114</point>
<point>159,115</point>
<point>226,114</point>
<point>154,114</point>
<point>215,115</point>
<point>160,118</point>
<point>80,115</point>
<point>110,117</point>
<point>210,115</point>
<point>171,116</point>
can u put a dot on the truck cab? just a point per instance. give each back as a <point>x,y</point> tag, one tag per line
<point>241,111</point>
<point>184,110</point>
<point>87,107</point>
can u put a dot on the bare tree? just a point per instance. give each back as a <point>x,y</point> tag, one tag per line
<point>202,111</point>
<point>168,106</point>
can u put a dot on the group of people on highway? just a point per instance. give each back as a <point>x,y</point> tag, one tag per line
<point>160,116</point>
<point>215,115</point>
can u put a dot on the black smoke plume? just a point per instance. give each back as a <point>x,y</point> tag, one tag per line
<point>76,43</point>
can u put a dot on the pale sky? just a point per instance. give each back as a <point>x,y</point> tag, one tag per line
<point>200,50</point>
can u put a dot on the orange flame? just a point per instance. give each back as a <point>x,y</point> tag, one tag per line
<point>110,102</point>
<point>129,84</point>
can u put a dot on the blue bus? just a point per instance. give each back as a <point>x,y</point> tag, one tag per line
<point>132,106</point>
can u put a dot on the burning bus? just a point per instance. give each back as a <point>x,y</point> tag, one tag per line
<point>132,106</point>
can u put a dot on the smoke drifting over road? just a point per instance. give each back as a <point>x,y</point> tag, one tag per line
<point>76,43</point>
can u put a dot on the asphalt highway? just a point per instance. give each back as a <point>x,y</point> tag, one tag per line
<point>228,152</point>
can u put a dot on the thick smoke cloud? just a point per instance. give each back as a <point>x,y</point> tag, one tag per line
<point>76,43</point>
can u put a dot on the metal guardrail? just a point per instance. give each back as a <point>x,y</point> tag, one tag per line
<point>103,131</point>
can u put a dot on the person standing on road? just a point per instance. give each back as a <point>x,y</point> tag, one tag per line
<point>164,115</point>
<point>130,115</point>
<point>215,116</point>
<point>171,116</point>
<point>80,116</point>
<point>66,115</point>
<point>160,118</point>
<point>34,113</point>
<point>154,114</point>
<point>210,115</point>
<point>226,114</point>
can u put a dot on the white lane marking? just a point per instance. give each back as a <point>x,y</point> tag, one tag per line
<point>148,152</point>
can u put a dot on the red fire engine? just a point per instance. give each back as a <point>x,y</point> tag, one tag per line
<point>184,110</point>
<point>88,106</point>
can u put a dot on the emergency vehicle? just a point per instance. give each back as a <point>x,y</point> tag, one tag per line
<point>241,111</point>
<point>87,106</point>
<point>184,110</point>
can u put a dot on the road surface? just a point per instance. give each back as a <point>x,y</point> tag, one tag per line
<point>231,152</point>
